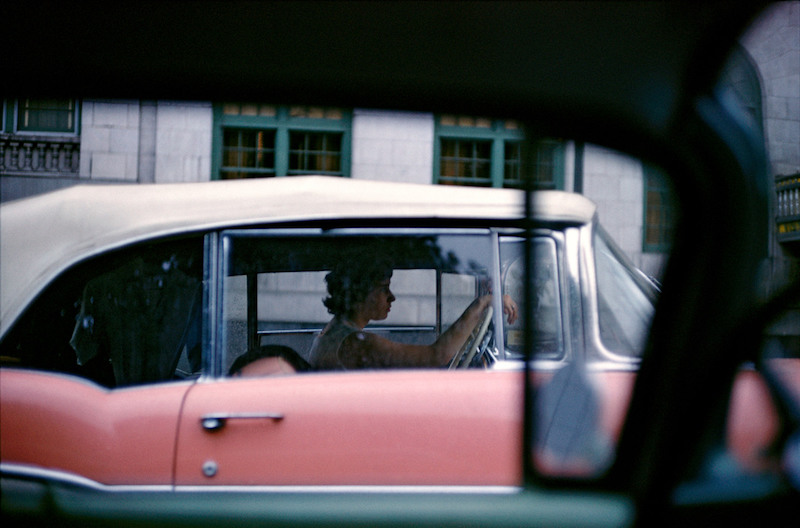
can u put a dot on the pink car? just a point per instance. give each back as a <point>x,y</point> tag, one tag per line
<point>156,343</point>
<point>168,357</point>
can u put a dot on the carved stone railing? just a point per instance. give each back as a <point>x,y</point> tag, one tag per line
<point>39,155</point>
<point>787,215</point>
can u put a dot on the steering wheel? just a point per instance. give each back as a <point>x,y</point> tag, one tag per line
<point>464,356</point>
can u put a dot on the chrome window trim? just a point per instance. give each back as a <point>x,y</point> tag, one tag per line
<point>212,313</point>
<point>497,300</point>
<point>591,323</point>
<point>568,242</point>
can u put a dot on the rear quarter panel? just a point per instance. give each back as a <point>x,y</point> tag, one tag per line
<point>62,423</point>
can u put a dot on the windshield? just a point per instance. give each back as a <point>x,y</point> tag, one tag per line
<point>625,300</point>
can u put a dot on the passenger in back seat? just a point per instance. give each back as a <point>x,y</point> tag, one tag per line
<point>269,360</point>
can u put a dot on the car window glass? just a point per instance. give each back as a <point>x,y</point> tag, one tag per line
<point>593,300</point>
<point>458,290</point>
<point>546,305</point>
<point>127,318</point>
<point>759,435</point>
<point>765,401</point>
<point>625,299</point>
<point>276,286</point>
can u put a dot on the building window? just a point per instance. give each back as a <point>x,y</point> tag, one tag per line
<point>488,153</point>
<point>315,153</point>
<point>57,116</point>
<point>548,160</point>
<point>39,137</point>
<point>262,140</point>
<point>659,210</point>
<point>247,153</point>
<point>466,162</point>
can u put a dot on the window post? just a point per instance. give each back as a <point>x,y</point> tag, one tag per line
<point>498,165</point>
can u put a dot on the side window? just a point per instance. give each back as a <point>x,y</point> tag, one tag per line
<point>291,312</point>
<point>288,308</point>
<point>547,306</point>
<point>121,319</point>
<point>278,293</point>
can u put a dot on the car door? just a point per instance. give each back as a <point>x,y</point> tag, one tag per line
<point>348,428</point>
<point>428,427</point>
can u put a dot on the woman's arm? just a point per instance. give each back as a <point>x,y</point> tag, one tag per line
<point>366,350</point>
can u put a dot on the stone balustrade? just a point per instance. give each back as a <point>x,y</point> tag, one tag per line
<point>39,155</point>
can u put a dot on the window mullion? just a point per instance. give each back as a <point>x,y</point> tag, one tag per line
<point>497,165</point>
<point>282,151</point>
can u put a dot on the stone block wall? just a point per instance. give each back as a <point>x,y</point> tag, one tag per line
<point>392,146</point>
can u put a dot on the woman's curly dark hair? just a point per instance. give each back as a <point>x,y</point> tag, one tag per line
<point>350,282</point>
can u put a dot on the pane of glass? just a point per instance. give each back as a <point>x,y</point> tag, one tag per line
<point>234,318</point>
<point>231,108</point>
<point>127,318</point>
<point>249,109</point>
<point>458,290</point>
<point>782,350</point>
<point>548,330</point>
<point>584,382</point>
<point>46,115</point>
<point>247,153</point>
<point>512,173</point>
<point>465,162</point>
<point>659,211</point>
<point>481,162</point>
<point>315,153</point>
<point>304,283</point>
<point>625,298</point>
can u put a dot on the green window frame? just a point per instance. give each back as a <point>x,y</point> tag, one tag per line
<point>46,116</point>
<point>488,153</point>
<point>659,212</point>
<point>253,140</point>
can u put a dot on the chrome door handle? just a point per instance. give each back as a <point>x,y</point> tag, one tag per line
<point>216,421</point>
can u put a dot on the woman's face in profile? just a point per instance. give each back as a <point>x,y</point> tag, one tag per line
<point>378,302</point>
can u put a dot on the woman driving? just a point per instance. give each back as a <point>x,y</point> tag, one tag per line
<point>360,293</point>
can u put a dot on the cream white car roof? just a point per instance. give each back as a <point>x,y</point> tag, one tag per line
<point>43,235</point>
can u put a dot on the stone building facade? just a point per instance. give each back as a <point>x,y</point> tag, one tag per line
<point>152,142</point>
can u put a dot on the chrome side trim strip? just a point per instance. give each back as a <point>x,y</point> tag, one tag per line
<point>475,490</point>
<point>12,470</point>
